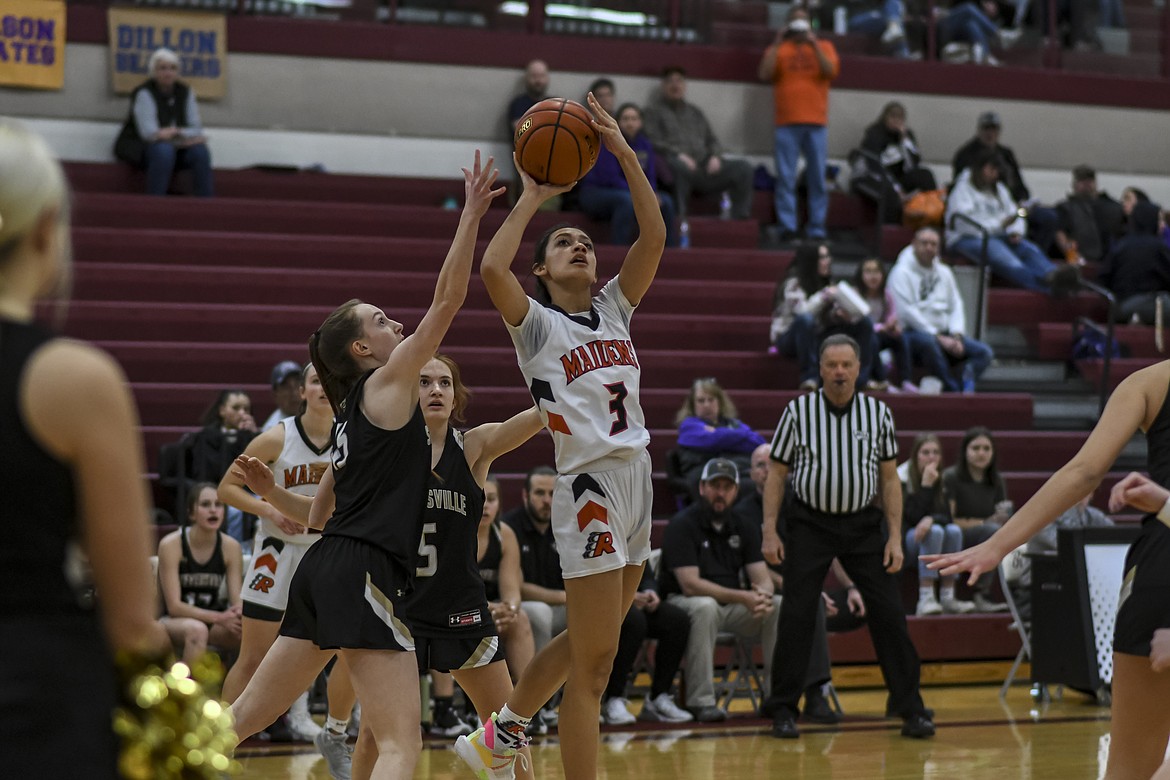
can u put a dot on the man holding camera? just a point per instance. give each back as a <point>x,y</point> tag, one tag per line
<point>800,67</point>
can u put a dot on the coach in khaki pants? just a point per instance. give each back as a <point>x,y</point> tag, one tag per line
<point>712,568</point>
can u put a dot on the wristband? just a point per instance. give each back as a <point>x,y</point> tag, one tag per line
<point>1164,512</point>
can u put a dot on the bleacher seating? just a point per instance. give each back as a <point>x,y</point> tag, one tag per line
<point>194,295</point>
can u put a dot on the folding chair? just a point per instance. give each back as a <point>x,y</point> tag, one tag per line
<point>1011,568</point>
<point>741,675</point>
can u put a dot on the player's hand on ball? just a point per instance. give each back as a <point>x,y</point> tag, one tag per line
<point>541,192</point>
<point>477,186</point>
<point>607,128</point>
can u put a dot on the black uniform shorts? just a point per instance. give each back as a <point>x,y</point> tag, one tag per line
<point>1144,605</point>
<point>348,594</point>
<point>453,653</point>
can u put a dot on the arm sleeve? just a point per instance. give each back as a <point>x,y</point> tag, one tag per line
<point>655,129</point>
<point>529,336</point>
<point>888,443</point>
<point>710,142</point>
<point>784,441</point>
<point>753,542</point>
<point>694,432</point>
<point>957,322</point>
<point>146,115</point>
<point>901,286</point>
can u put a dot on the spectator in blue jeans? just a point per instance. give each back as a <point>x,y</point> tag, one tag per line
<point>979,202</point>
<point>885,23</point>
<point>805,312</point>
<point>164,132</point>
<point>931,311</point>
<point>604,193</point>
<point>974,24</point>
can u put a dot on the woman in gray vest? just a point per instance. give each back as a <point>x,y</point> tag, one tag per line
<point>163,131</point>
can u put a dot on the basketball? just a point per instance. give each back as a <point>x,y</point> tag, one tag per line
<point>556,142</point>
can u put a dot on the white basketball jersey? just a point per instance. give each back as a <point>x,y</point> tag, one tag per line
<point>298,469</point>
<point>584,377</point>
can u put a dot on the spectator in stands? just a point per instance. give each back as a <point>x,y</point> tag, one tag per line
<point>164,132</point>
<point>535,90</point>
<point>979,501</point>
<point>287,381</point>
<point>543,588</point>
<point>1042,221</point>
<point>930,310</point>
<point>606,93</point>
<point>200,572</point>
<point>670,626</point>
<point>870,281</point>
<point>890,141</point>
<point>604,193</point>
<point>713,569</point>
<point>926,516</point>
<point>681,133</point>
<point>974,27</point>
<point>841,610</point>
<point>806,310</point>
<point>1079,515</point>
<point>883,21</point>
<point>499,566</point>
<point>227,429</point>
<point>1130,197</point>
<point>979,202</point>
<point>1090,221</point>
<point>800,67</point>
<point>1137,270</point>
<point>708,427</point>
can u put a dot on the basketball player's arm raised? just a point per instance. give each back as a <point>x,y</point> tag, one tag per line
<point>266,448</point>
<point>75,401</point>
<point>485,443</point>
<point>391,394</point>
<point>495,269</point>
<point>641,263</point>
<point>1132,407</point>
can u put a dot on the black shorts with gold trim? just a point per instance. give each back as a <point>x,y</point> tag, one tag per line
<point>453,654</point>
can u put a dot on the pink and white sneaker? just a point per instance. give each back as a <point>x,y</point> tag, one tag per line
<point>485,754</point>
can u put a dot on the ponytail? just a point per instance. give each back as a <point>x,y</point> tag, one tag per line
<point>330,354</point>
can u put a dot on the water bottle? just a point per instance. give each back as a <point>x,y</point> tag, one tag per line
<point>684,235</point>
<point>840,20</point>
<point>968,379</point>
<point>725,206</point>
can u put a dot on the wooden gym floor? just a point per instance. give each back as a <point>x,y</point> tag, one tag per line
<point>979,738</point>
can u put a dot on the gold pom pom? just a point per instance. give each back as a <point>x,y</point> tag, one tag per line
<point>170,727</point>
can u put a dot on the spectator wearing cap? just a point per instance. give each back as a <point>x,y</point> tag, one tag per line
<point>1042,221</point>
<point>712,568</point>
<point>286,380</point>
<point>800,66</point>
<point>1090,221</point>
<point>839,447</point>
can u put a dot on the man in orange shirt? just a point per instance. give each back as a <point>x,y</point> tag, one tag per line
<point>800,68</point>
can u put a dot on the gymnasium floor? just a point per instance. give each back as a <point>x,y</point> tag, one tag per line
<point>979,738</point>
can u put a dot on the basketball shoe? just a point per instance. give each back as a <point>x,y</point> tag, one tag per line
<point>484,752</point>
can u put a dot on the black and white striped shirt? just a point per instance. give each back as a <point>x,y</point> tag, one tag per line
<point>833,455</point>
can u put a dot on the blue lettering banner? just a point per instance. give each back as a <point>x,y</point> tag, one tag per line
<point>199,39</point>
<point>32,43</point>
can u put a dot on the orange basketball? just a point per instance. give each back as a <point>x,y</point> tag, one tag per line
<point>556,142</point>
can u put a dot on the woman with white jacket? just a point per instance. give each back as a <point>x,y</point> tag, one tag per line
<point>979,195</point>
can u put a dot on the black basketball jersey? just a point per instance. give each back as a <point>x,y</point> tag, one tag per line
<point>489,564</point>
<point>448,598</point>
<point>380,481</point>
<point>201,584</point>
<point>1158,445</point>
<point>38,547</point>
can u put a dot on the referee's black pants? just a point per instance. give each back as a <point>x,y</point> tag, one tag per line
<point>814,539</point>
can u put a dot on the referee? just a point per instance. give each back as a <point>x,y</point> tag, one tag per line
<point>839,446</point>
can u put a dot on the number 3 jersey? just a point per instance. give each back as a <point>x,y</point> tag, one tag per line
<point>448,598</point>
<point>584,377</point>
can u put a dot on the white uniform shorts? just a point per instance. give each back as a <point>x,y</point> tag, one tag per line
<point>601,520</point>
<point>274,561</point>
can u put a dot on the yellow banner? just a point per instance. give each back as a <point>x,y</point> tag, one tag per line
<point>32,43</point>
<point>199,39</point>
